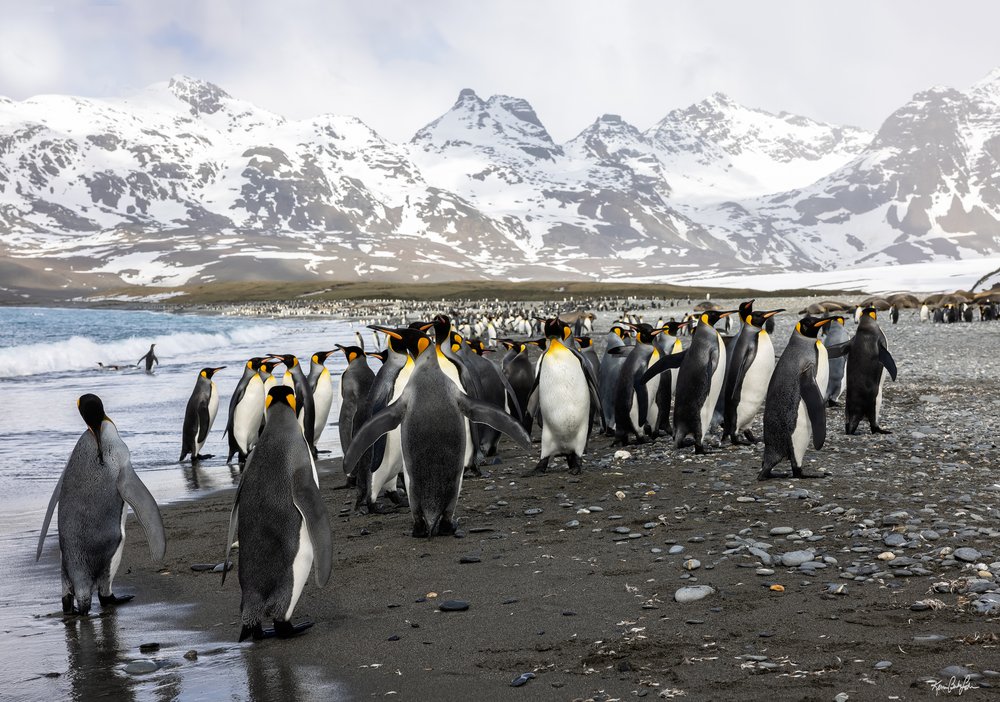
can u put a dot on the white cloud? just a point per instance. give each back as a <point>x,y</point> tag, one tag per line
<point>397,64</point>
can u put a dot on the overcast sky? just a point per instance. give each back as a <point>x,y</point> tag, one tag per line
<point>398,64</point>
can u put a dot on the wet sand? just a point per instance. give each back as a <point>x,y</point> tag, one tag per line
<point>591,611</point>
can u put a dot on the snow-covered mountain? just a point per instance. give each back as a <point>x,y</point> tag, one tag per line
<point>184,183</point>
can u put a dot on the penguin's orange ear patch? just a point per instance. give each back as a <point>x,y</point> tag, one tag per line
<point>351,356</point>
<point>422,345</point>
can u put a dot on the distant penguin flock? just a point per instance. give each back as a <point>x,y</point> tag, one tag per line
<point>433,414</point>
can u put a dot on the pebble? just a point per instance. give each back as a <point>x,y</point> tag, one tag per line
<point>453,606</point>
<point>793,559</point>
<point>969,555</point>
<point>470,558</point>
<point>191,655</point>
<point>781,531</point>
<point>572,523</point>
<point>141,667</point>
<point>764,571</point>
<point>675,549</point>
<point>959,672</point>
<point>220,567</point>
<point>693,593</point>
<point>883,665</point>
<point>595,508</point>
<point>521,679</point>
<point>533,511</point>
<point>692,564</point>
<point>149,647</point>
<point>746,498</point>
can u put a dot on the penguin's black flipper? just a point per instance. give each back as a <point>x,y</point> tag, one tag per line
<point>381,423</point>
<point>670,360</point>
<point>838,350</point>
<point>483,413</point>
<point>134,491</point>
<point>306,497</point>
<point>619,351</point>
<point>815,406</point>
<point>202,423</point>
<point>48,516</point>
<point>887,360</point>
<point>511,397</point>
<point>641,399</point>
<point>588,373</point>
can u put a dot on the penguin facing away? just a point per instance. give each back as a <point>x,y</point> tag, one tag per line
<point>868,363</point>
<point>433,416</point>
<point>246,407</point>
<point>281,522</point>
<point>610,369</point>
<point>355,384</point>
<point>636,411</point>
<point>199,415</point>
<point>94,493</point>
<point>150,358</point>
<point>295,378</point>
<point>835,334</point>
<point>520,374</point>
<point>794,409</point>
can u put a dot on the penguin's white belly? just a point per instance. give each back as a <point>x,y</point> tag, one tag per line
<point>300,566</point>
<point>384,477</point>
<point>801,434</point>
<point>653,387</point>
<point>564,400</point>
<point>878,395</point>
<point>116,559</point>
<point>247,416</point>
<point>718,378</point>
<point>322,401</point>
<point>755,382</point>
<point>822,366</point>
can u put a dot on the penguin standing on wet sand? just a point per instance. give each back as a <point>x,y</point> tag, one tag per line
<point>433,415</point>
<point>794,410</point>
<point>355,384</point>
<point>93,493</point>
<point>610,369</point>
<point>246,407</point>
<point>868,363</point>
<point>520,376</point>
<point>305,408</point>
<point>199,415</point>
<point>636,411</point>
<point>281,523</point>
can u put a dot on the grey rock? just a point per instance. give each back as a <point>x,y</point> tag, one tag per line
<point>693,593</point>
<point>969,555</point>
<point>141,666</point>
<point>793,559</point>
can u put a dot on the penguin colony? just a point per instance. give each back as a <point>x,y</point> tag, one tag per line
<point>434,412</point>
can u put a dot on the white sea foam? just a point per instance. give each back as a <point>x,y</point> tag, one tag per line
<point>79,352</point>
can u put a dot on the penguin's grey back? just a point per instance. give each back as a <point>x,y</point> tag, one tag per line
<point>781,406</point>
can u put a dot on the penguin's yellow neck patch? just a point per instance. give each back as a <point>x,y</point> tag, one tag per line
<point>555,347</point>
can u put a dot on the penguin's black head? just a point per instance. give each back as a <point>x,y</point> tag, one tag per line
<point>320,356</point>
<point>809,326</point>
<point>209,372</point>
<point>442,328</point>
<point>711,317</point>
<point>758,319</point>
<point>838,318</point>
<point>456,340</point>
<point>672,327</point>
<point>416,342</point>
<point>746,309</point>
<point>382,355</point>
<point>92,410</point>
<point>555,328</point>
<point>267,365</point>
<point>394,337</point>
<point>289,360</point>
<point>645,332</point>
<point>255,363</point>
<point>352,353</point>
<point>540,343</point>
<point>516,346</point>
<point>620,331</point>
<point>477,346</point>
<point>280,395</point>
<point>869,312</point>
<point>585,342</point>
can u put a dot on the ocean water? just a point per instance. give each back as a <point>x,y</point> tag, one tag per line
<point>48,358</point>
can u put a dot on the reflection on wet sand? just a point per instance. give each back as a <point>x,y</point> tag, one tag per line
<point>274,678</point>
<point>197,478</point>
<point>92,647</point>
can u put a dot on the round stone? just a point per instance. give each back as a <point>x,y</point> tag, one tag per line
<point>453,606</point>
<point>141,667</point>
<point>693,593</point>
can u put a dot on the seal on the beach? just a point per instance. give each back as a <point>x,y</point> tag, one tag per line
<point>281,522</point>
<point>433,416</point>
<point>199,415</point>
<point>92,493</point>
<point>607,377</point>
<point>150,358</point>
<point>322,391</point>
<point>834,334</point>
<point>868,362</point>
<point>245,409</point>
<point>566,393</point>
<point>750,364</point>
<point>305,409</point>
<point>380,474</point>
<point>794,409</point>
<point>355,384</point>
<point>636,410</point>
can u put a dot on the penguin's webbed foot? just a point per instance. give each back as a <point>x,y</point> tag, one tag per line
<point>67,604</point>
<point>575,465</point>
<point>286,630</point>
<point>256,631</point>
<point>539,468</point>
<point>204,456</point>
<point>700,450</point>
<point>472,471</point>
<point>113,599</point>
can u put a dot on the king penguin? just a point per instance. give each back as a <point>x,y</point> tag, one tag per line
<point>751,362</point>
<point>305,408</point>
<point>868,363</point>
<point>835,334</point>
<point>150,358</point>
<point>636,410</point>
<point>794,409</point>
<point>246,407</point>
<point>322,391</point>
<point>565,392</point>
<point>94,493</point>
<point>281,522</point>
<point>520,373</point>
<point>610,369</point>
<point>199,415</point>
<point>355,384</point>
<point>433,416</point>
